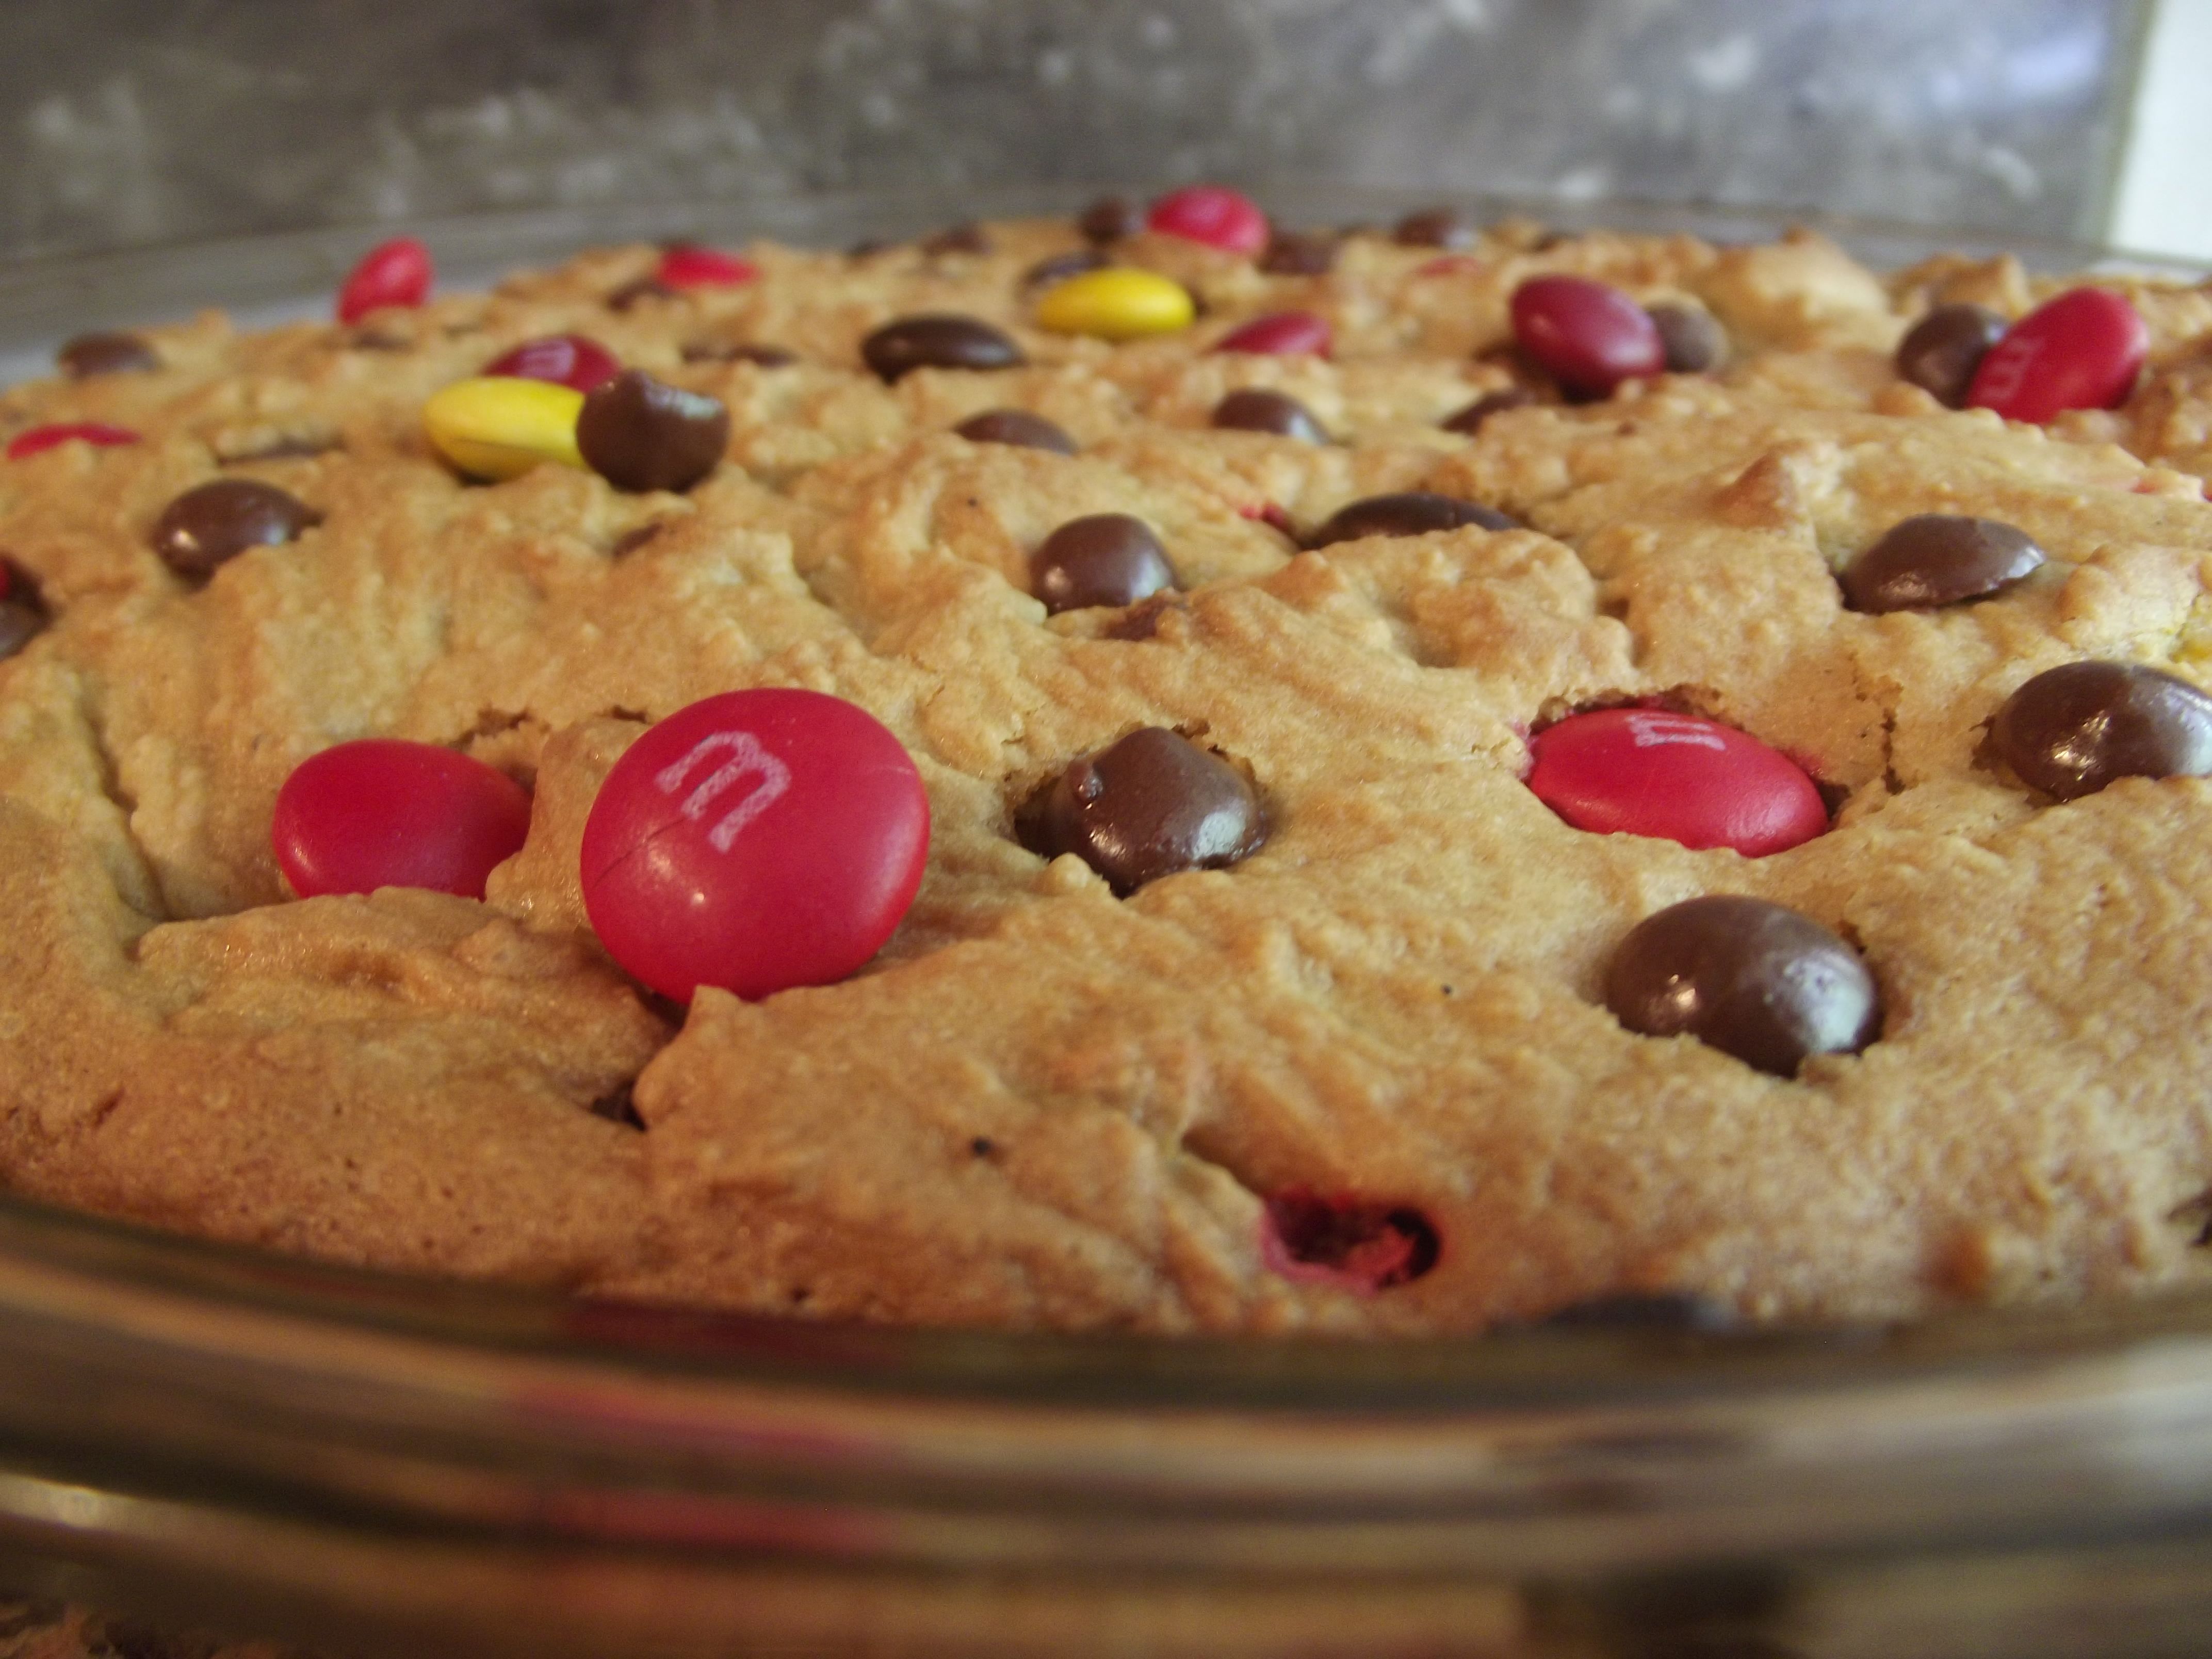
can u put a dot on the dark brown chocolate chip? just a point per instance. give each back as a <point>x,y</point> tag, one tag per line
<point>1017,426</point>
<point>733,351</point>
<point>1691,338</point>
<point>1298,253</point>
<point>376,339</point>
<point>1110,219</point>
<point>868,246</point>
<point>1108,558</point>
<point>1405,513</point>
<point>937,340</point>
<point>638,432</point>
<point>1432,227</point>
<point>1938,558</point>
<point>630,294</point>
<point>1147,806</point>
<point>1751,979</point>
<point>1373,1245</point>
<point>106,354</point>
<point>1942,351</point>
<point>1256,409</point>
<point>967,237</point>
<point>209,525</point>
<point>1059,267</point>
<point>1469,420</point>
<point>2073,729</point>
<point>1644,1311</point>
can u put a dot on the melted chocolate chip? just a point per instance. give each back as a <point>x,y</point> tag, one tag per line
<point>209,525</point>
<point>1942,351</point>
<point>1643,1310</point>
<point>966,238</point>
<point>638,432</point>
<point>1141,622</point>
<point>1298,253</point>
<point>1469,420</point>
<point>733,351</point>
<point>1017,426</point>
<point>1691,338</point>
<point>868,246</point>
<point>1148,806</point>
<point>1754,980</point>
<point>1938,558</point>
<point>1407,513</point>
<point>1432,227</point>
<point>1059,267</point>
<point>1108,558</point>
<point>631,293</point>
<point>106,354</point>
<point>1256,409</point>
<point>1373,1245</point>
<point>2073,729</point>
<point>1110,219</point>
<point>937,340</point>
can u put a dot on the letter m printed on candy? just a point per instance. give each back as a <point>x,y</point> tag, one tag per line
<point>755,841</point>
<point>746,759</point>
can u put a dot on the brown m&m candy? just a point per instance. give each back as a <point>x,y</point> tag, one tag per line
<point>1147,806</point>
<point>638,432</point>
<point>1432,227</point>
<point>1405,513</point>
<point>937,340</point>
<point>1755,980</point>
<point>1469,420</point>
<point>1691,338</point>
<point>2073,729</point>
<point>106,354</point>
<point>1256,409</point>
<point>1059,267</point>
<point>1941,352</point>
<point>1110,219</point>
<point>1105,559</point>
<point>206,527</point>
<point>1017,426</point>
<point>1298,253</point>
<point>1938,558</point>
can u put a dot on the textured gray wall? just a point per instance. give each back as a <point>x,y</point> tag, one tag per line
<point>130,121</point>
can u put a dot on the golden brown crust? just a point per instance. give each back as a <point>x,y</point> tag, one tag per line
<point>1043,1105</point>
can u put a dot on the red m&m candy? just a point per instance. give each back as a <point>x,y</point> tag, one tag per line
<point>382,812</point>
<point>37,440</point>
<point>704,267</point>
<point>568,360</point>
<point>1282,333</point>
<point>1212,213</point>
<point>2081,350</point>
<point>393,273</point>
<point>754,840</point>
<point>1589,336</point>
<point>1645,772</point>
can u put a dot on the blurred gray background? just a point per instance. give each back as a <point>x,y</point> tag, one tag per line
<point>132,121</point>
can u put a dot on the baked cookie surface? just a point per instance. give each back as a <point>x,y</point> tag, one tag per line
<point>1043,1104</point>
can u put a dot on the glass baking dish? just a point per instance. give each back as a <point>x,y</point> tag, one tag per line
<point>205,1435</point>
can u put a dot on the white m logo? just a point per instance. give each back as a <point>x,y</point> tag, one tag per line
<point>745,758</point>
<point>1656,731</point>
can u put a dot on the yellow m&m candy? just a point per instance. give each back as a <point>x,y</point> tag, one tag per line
<point>499,426</point>
<point>1116,304</point>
